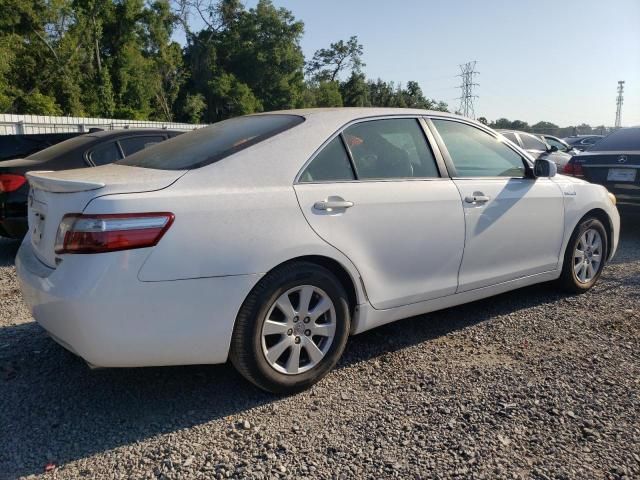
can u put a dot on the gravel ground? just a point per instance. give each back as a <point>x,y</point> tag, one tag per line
<point>530,384</point>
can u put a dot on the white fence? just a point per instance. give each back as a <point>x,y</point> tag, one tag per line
<point>29,124</point>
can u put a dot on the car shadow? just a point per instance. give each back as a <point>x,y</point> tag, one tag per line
<point>50,396</point>
<point>8,250</point>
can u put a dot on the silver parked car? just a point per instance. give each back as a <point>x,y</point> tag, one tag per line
<point>537,147</point>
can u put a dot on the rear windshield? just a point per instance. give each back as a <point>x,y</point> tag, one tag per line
<point>210,144</point>
<point>61,148</point>
<point>623,139</point>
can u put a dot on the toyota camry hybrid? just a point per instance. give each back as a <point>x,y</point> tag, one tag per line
<point>269,239</point>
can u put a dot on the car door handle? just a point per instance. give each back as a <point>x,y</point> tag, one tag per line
<point>477,199</point>
<point>332,204</point>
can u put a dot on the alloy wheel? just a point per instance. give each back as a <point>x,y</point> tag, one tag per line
<point>587,255</point>
<point>298,329</point>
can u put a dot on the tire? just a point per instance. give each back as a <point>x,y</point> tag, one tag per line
<point>250,344</point>
<point>570,280</point>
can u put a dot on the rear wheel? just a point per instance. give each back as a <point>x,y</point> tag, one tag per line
<point>585,256</point>
<point>291,329</point>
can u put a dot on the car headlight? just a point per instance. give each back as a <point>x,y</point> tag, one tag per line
<point>612,197</point>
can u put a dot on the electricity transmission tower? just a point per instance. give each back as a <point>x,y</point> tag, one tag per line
<point>619,100</point>
<point>467,71</point>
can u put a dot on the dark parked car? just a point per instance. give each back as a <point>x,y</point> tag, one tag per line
<point>89,150</point>
<point>560,144</point>
<point>537,147</point>
<point>21,146</point>
<point>613,162</point>
<point>582,142</point>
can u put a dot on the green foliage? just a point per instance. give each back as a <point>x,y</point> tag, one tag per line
<point>355,92</point>
<point>544,127</point>
<point>231,97</point>
<point>116,58</point>
<point>328,94</point>
<point>328,63</point>
<point>193,107</point>
<point>37,104</point>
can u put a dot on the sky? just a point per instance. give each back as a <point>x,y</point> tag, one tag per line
<point>552,60</point>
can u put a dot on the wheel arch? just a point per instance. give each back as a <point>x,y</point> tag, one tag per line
<point>601,215</point>
<point>338,269</point>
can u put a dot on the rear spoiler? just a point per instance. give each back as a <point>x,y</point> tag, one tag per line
<point>50,181</point>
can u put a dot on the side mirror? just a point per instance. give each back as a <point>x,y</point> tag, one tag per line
<point>552,149</point>
<point>544,168</point>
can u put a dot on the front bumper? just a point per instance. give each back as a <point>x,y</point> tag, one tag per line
<point>95,306</point>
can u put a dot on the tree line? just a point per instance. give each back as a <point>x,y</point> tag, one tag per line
<point>117,58</point>
<point>548,128</point>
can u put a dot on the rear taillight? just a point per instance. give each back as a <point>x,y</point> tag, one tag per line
<point>573,168</point>
<point>79,233</point>
<point>10,182</point>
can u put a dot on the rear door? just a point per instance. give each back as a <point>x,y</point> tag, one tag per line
<point>514,224</point>
<point>377,193</point>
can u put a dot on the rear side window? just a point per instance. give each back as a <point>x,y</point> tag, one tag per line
<point>105,153</point>
<point>210,144</point>
<point>135,144</point>
<point>389,149</point>
<point>330,165</point>
<point>624,139</point>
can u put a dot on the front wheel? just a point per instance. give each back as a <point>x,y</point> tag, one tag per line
<point>584,257</point>
<point>292,328</point>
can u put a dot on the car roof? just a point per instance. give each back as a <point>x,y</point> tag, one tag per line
<point>347,114</point>
<point>130,131</point>
<point>507,130</point>
<point>277,160</point>
<point>584,136</point>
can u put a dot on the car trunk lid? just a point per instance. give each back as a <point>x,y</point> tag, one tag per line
<point>55,194</point>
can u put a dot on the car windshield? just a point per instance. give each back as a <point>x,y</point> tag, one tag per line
<point>61,148</point>
<point>624,139</point>
<point>211,144</point>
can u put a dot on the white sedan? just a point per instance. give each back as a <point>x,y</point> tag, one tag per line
<point>269,239</point>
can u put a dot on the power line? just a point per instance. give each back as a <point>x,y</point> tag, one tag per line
<point>619,100</point>
<point>467,71</point>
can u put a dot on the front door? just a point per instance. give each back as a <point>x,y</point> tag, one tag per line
<point>375,193</point>
<point>514,224</point>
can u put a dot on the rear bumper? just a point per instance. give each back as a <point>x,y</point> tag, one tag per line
<point>95,306</point>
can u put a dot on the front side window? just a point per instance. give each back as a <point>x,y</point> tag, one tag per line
<point>105,153</point>
<point>390,149</point>
<point>475,153</point>
<point>330,165</point>
<point>555,143</point>
<point>529,142</point>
